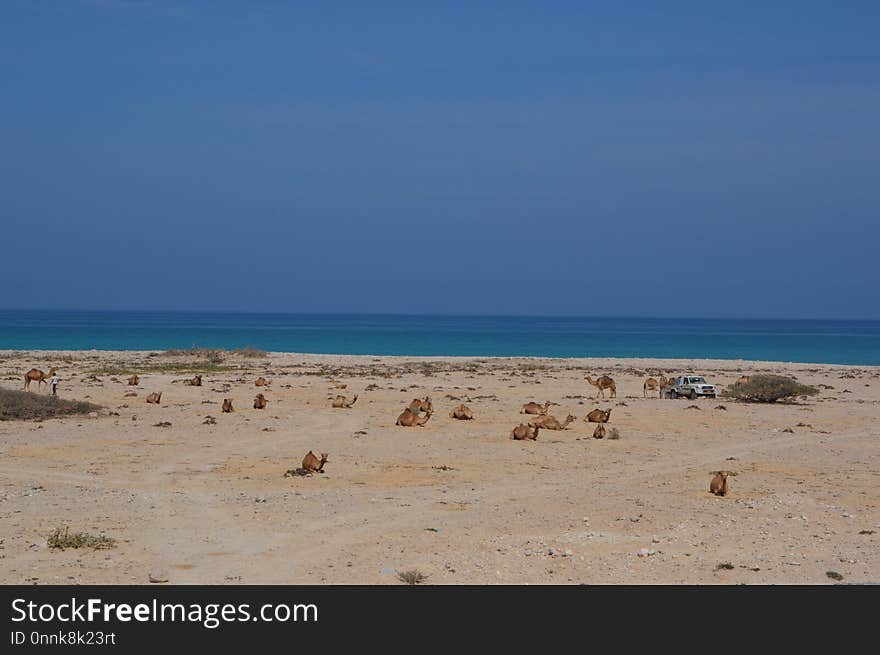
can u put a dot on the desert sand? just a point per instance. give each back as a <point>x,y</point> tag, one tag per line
<point>207,502</point>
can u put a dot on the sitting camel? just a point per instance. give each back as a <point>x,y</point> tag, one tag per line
<point>409,418</point>
<point>418,405</point>
<point>552,423</point>
<point>195,382</point>
<point>524,432</point>
<point>133,381</point>
<point>260,401</point>
<point>650,385</point>
<point>340,402</point>
<point>599,432</point>
<point>261,382</point>
<point>154,398</point>
<point>310,464</point>
<point>313,464</point>
<point>718,485</point>
<point>36,375</point>
<point>535,408</point>
<point>227,406</point>
<point>598,416</point>
<point>462,413</point>
<point>603,383</point>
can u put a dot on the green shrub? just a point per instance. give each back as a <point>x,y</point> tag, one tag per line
<point>62,539</point>
<point>769,389</point>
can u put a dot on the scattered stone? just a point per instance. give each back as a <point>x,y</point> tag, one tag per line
<point>647,552</point>
<point>158,576</point>
<point>834,575</point>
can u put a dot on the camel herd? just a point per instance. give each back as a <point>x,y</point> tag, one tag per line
<point>420,410</point>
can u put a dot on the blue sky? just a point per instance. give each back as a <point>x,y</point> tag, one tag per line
<point>567,158</point>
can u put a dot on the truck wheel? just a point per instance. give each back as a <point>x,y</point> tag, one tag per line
<point>693,395</point>
<point>711,395</point>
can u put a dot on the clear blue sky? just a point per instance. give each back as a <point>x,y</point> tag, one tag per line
<point>648,159</point>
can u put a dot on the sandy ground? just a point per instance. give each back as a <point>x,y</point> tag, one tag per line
<point>210,504</point>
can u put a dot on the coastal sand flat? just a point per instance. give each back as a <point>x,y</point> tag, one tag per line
<point>208,503</point>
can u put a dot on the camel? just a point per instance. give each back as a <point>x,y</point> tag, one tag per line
<point>418,405</point>
<point>260,401</point>
<point>535,408</point>
<point>36,375</point>
<point>462,413</point>
<point>718,486</point>
<point>650,385</point>
<point>743,379</point>
<point>154,398</point>
<point>261,382</point>
<point>409,418</point>
<point>312,464</point>
<point>524,432</point>
<point>552,423</point>
<point>598,416</point>
<point>603,383</point>
<point>340,402</point>
<point>227,405</point>
<point>133,381</point>
<point>195,382</point>
<point>599,432</point>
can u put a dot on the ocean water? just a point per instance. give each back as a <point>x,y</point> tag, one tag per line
<point>833,342</point>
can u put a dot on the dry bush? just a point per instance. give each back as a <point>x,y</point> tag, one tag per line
<point>62,539</point>
<point>769,389</point>
<point>29,406</point>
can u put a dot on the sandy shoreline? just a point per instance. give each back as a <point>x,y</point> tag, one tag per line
<point>208,503</point>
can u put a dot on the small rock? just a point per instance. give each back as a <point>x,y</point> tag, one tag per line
<point>158,576</point>
<point>93,414</point>
<point>647,552</point>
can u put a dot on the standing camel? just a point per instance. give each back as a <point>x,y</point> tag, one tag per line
<point>603,383</point>
<point>651,385</point>
<point>36,375</point>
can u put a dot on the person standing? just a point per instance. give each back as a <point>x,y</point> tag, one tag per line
<point>54,383</point>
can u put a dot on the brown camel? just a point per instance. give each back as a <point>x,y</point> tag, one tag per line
<point>261,382</point>
<point>462,413</point>
<point>718,486</point>
<point>133,381</point>
<point>603,383</point>
<point>313,464</point>
<point>260,401</point>
<point>552,423</point>
<point>154,398</point>
<point>195,382</point>
<point>650,385</point>
<point>535,408</point>
<point>599,432</point>
<point>36,375</point>
<point>598,416</point>
<point>743,379</point>
<point>418,405</point>
<point>524,432</point>
<point>340,402</point>
<point>409,418</point>
<point>227,406</point>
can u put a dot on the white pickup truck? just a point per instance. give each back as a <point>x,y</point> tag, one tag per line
<point>691,386</point>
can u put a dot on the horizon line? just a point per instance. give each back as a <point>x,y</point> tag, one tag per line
<point>435,315</point>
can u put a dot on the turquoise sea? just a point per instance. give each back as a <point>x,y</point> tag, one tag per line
<point>837,342</point>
